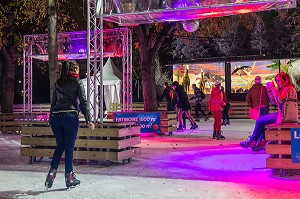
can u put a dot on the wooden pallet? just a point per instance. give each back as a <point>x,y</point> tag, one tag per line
<point>168,121</point>
<point>12,122</point>
<point>112,142</point>
<point>279,148</point>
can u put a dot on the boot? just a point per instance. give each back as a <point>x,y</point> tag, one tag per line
<point>220,136</point>
<point>214,135</point>
<point>205,118</point>
<point>194,126</point>
<point>50,178</point>
<point>260,145</point>
<point>71,180</point>
<point>248,143</point>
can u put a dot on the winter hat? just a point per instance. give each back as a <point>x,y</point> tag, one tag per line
<point>257,80</point>
<point>217,83</point>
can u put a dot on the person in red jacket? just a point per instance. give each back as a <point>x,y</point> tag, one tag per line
<point>216,105</point>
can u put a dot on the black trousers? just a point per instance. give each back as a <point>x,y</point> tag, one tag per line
<point>198,109</point>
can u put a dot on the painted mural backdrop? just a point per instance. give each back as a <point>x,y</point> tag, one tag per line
<point>243,74</point>
<point>203,75</point>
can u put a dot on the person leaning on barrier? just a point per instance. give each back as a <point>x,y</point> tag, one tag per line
<point>285,97</point>
<point>68,90</point>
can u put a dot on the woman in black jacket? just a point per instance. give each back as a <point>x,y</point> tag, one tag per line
<point>68,90</point>
<point>183,106</point>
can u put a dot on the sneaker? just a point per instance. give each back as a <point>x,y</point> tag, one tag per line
<point>248,143</point>
<point>259,146</point>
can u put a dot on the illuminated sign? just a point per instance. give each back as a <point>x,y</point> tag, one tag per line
<point>295,145</point>
<point>149,122</point>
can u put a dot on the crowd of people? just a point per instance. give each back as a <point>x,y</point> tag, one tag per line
<point>69,98</point>
<point>283,95</point>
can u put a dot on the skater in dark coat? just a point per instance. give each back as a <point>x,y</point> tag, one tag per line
<point>183,106</point>
<point>68,90</point>
<point>170,96</point>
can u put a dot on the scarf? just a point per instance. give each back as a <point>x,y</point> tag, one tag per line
<point>73,74</point>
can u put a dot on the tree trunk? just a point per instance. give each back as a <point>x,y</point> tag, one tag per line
<point>52,44</point>
<point>8,77</point>
<point>8,54</point>
<point>149,45</point>
<point>148,79</point>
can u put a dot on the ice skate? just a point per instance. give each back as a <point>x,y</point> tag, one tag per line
<point>220,136</point>
<point>50,178</point>
<point>214,135</point>
<point>194,126</point>
<point>224,122</point>
<point>197,119</point>
<point>179,128</point>
<point>71,180</point>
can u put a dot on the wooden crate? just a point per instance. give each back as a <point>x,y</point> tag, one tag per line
<point>109,141</point>
<point>168,121</point>
<point>279,147</point>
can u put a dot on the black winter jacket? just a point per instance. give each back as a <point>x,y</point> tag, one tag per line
<point>65,98</point>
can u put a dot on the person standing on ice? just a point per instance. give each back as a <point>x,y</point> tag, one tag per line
<point>64,120</point>
<point>183,106</point>
<point>216,104</point>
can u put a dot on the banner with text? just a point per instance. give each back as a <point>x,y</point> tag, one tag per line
<point>148,121</point>
<point>295,144</point>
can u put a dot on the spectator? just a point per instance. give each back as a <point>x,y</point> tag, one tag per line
<point>285,96</point>
<point>253,97</point>
<point>225,115</point>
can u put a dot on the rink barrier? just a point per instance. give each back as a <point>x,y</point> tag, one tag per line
<point>168,121</point>
<point>279,148</point>
<point>12,122</point>
<point>109,142</point>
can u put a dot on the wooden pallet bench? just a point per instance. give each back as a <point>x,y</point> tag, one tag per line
<point>279,148</point>
<point>12,122</point>
<point>111,142</point>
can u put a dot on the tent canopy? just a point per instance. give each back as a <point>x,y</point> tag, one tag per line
<point>112,79</point>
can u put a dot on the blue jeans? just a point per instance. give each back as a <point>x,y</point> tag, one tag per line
<point>264,111</point>
<point>65,128</point>
<point>259,130</point>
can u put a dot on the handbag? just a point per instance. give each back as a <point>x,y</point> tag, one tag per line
<point>254,113</point>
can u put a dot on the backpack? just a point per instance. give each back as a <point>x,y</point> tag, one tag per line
<point>202,95</point>
<point>172,94</point>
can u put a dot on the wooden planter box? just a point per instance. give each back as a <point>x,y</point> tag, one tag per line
<point>279,148</point>
<point>109,141</point>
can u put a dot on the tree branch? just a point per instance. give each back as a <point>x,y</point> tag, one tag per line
<point>168,28</point>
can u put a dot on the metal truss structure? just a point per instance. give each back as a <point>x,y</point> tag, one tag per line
<point>74,45</point>
<point>95,63</point>
<point>135,12</point>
